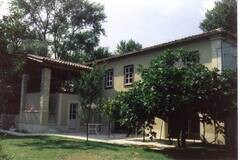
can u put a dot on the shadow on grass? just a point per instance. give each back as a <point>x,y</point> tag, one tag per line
<point>198,152</point>
<point>193,152</point>
<point>49,142</point>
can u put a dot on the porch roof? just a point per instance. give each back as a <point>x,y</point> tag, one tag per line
<point>56,63</point>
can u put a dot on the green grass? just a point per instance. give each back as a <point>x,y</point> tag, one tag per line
<point>56,148</point>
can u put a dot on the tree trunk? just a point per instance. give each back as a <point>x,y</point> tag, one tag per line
<point>204,133</point>
<point>87,130</point>
<point>215,131</point>
<point>109,128</point>
<point>183,139</point>
<point>161,131</point>
<point>178,139</point>
<point>143,133</point>
<point>88,117</point>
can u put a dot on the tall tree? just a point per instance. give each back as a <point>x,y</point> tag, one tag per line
<point>128,46</point>
<point>134,113</point>
<point>13,33</point>
<point>129,109</point>
<point>223,15</point>
<point>177,85</point>
<point>10,74</point>
<point>69,27</point>
<point>98,53</point>
<point>111,110</point>
<point>89,87</point>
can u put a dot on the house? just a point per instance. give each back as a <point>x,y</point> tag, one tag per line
<point>48,102</point>
<point>217,49</point>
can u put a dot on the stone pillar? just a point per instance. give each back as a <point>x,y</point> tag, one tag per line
<point>45,94</point>
<point>59,114</point>
<point>23,94</point>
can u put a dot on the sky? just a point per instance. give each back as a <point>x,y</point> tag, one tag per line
<point>148,22</point>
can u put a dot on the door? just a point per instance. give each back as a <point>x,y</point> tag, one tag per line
<point>73,116</point>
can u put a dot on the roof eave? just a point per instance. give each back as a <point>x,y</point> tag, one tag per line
<point>219,32</point>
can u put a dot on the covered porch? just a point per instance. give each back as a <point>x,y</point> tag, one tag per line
<point>49,102</point>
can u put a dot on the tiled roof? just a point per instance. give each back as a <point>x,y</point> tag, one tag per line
<point>56,63</point>
<point>188,39</point>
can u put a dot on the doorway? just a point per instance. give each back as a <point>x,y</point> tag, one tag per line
<point>73,116</point>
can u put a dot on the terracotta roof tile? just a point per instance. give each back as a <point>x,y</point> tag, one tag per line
<point>57,63</point>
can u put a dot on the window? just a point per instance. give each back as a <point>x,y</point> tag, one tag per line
<point>128,75</point>
<point>109,78</point>
<point>73,111</point>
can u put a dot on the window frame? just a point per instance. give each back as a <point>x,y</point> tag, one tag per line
<point>73,111</point>
<point>129,77</point>
<point>106,79</point>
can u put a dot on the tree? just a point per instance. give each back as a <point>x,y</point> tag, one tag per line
<point>223,15</point>
<point>13,33</point>
<point>98,53</point>
<point>10,74</point>
<point>220,96</point>
<point>178,86</point>
<point>69,27</point>
<point>128,46</point>
<point>34,47</point>
<point>129,109</point>
<point>89,87</point>
<point>109,108</point>
<point>134,113</point>
<point>10,71</point>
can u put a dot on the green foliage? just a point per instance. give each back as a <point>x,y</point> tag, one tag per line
<point>168,81</point>
<point>10,74</point>
<point>177,85</point>
<point>127,46</point>
<point>98,53</point>
<point>134,113</point>
<point>34,47</point>
<point>89,87</point>
<point>110,108</point>
<point>69,27</point>
<point>129,109</point>
<point>223,15</point>
<point>13,33</point>
<point>220,99</point>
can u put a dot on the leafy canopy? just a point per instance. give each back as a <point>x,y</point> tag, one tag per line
<point>89,86</point>
<point>69,27</point>
<point>176,85</point>
<point>10,74</point>
<point>128,46</point>
<point>13,34</point>
<point>169,82</point>
<point>129,109</point>
<point>223,15</point>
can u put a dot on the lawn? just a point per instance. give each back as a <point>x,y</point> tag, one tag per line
<point>55,148</point>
